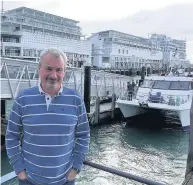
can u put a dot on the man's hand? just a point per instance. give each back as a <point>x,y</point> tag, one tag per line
<point>22,175</point>
<point>72,175</point>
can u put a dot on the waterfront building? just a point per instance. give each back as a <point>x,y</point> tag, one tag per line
<point>26,32</point>
<point>113,49</point>
<point>174,51</point>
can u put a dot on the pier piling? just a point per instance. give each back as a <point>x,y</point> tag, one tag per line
<point>3,108</point>
<point>87,86</point>
<point>189,166</point>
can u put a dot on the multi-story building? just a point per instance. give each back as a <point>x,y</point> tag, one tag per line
<point>26,32</point>
<point>122,51</point>
<point>174,51</point>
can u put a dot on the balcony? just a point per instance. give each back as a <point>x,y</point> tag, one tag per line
<point>11,32</point>
<point>11,44</point>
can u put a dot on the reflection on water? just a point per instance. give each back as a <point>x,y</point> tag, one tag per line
<point>156,155</point>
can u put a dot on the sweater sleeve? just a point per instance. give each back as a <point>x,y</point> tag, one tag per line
<point>13,137</point>
<point>82,137</point>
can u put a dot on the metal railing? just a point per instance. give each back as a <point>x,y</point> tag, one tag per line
<point>19,74</point>
<point>168,99</point>
<point>122,174</point>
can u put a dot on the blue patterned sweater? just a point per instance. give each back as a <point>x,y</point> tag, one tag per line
<point>55,138</point>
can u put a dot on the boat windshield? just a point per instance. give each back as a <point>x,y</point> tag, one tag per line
<point>161,84</point>
<point>179,85</point>
<point>147,84</point>
<point>171,85</point>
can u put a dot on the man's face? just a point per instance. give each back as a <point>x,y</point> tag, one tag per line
<point>51,72</point>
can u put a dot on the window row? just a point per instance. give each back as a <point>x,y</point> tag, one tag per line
<point>126,51</point>
<point>135,59</point>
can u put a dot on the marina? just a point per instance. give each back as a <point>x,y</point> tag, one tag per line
<point>101,68</point>
<point>102,111</point>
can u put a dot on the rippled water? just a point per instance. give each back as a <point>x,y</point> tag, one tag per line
<point>157,155</point>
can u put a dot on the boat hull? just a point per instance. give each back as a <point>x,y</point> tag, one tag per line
<point>131,109</point>
<point>184,116</point>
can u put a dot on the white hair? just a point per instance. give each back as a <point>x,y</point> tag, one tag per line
<point>54,52</point>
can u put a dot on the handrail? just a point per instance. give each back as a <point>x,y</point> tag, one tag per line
<point>122,174</point>
<point>174,100</point>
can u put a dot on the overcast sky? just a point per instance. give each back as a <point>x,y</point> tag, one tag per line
<point>83,10</point>
<point>93,9</point>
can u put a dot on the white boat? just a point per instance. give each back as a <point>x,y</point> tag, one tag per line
<point>172,93</point>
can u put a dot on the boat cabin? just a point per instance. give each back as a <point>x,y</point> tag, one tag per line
<point>166,90</point>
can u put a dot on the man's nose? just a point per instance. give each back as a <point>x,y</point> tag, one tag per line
<point>53,74</point>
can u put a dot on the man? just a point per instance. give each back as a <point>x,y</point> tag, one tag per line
<point>129,90</point>
<point>54,124</point>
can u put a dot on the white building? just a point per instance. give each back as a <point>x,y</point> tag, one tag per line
<point>122,51</point>
<point>26,32</point>
<point>174,51</point>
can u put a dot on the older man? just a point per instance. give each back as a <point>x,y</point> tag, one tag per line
<point>54,124</point>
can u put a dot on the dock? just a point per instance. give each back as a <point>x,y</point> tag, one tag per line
<point>94,86</point>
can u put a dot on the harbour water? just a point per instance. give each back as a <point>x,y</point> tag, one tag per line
<point>158,155</point>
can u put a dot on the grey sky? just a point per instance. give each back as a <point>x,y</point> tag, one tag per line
<point>120,15</point>
<point>93,9</point>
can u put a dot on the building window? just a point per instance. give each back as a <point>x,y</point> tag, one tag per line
<point>119,51</point>
<point>123,51</point>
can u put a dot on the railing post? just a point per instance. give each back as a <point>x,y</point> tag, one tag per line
<point>113,85</point>
<point>105,84</point>
<point>113,106</point>
<point>87,85</point>
<point>75,83</point>
<point>81,80</point>
<point>97,110</point>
